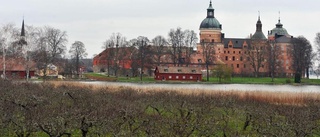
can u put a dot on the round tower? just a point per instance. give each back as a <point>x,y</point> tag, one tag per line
<point>210,27</point>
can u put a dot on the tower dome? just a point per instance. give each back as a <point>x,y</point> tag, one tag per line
<point>210,22</point>
<point>279,30</point>
<point>258,34</point>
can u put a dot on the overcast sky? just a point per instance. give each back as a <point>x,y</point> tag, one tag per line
<point>93,21</point>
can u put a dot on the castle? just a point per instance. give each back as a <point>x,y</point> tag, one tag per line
<point>257,55</point>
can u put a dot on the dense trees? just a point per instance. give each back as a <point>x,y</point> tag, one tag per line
<point>301,52</point>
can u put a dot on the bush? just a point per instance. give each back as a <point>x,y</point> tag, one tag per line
<point>288,80</point>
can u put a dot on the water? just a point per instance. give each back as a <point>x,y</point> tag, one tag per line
<point>220,87</point>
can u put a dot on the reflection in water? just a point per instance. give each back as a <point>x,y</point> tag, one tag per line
<point>221,87</point>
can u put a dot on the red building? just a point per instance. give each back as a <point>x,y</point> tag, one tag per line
<point>178,73</point>
<point>16,68</point>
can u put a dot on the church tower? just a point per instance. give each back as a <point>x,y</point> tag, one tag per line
<point>22,41</point>
<point>259,34</point>
<point>210,27</point>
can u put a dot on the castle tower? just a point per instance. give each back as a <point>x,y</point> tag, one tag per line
<point>278,31</point>
<point>259,34</point>
<point>210,28</point>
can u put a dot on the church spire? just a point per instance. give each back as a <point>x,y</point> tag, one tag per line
<point>259,24</point>
<point>279,25</point>
<point>210,11</point>
<point>22,29</point>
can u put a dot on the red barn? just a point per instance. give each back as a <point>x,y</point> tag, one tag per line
<point>178,73</point>
<point>16,68</point>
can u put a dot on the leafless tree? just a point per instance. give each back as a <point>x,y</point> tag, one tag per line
<point>301,53</point>
<point>142,44</point>
<point>8,39</point>
<point>256,53</point>
<point>114,45</point>
<point>190,42</point>
<point>208,54</point>
<point>317,42</point>
<point>274,54</point>
<point>176,39</point>
<point>159,43</point>
<point>78,52</point>
<point>51,46</point>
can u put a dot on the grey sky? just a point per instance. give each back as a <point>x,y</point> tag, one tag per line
<point>93,21</point>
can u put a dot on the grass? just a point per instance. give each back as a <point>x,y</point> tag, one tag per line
<point>212,80</point>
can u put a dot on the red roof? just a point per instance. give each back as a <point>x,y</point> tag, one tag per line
<point>16,64</point>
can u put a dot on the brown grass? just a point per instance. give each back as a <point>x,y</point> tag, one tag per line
<point>281,98</point>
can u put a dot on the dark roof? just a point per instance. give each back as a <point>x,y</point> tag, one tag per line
<point>258,35</point>
<point>237,42</point>
<point>179,70</point>
<point>210,23</point>
<point>283,39</point>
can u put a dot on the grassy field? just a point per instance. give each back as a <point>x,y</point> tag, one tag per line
<point>214,80</point>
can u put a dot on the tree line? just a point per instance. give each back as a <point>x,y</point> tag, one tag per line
<point>42,45</point>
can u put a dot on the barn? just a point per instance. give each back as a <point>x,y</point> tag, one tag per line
<point>16,68</point>
<point>178,73</point>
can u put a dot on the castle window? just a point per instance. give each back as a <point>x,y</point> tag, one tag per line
<point>230,46</point>
<point>233,58</point>
<point>193,71</point>
<point>244,65</point>
<point>241,58</point>
<point>224,51</point>
<point>239,52</point>
<point>226,58</point>
<point>234,52</point>
<point>237,65</point>
<point>166,70</point>
<point>228,52</point>
<point>179,70</point>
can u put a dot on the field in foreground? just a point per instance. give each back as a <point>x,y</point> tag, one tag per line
<point>56,109</point>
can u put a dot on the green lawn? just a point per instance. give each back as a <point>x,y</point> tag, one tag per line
<point>212,80</point>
